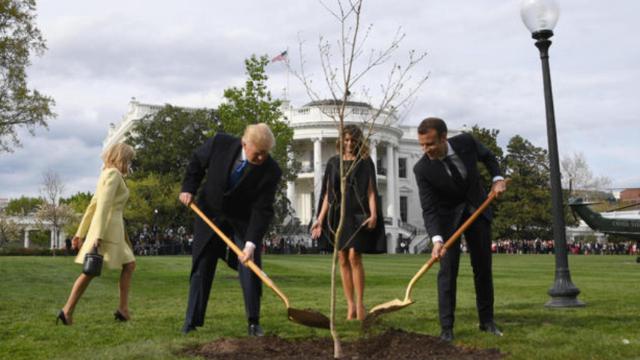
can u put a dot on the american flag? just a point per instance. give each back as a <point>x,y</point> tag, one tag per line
<point>281,57</point>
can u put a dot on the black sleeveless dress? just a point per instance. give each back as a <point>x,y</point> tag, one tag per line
<point>354,235</point>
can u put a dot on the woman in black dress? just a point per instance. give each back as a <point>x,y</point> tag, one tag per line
<point>363,229</point>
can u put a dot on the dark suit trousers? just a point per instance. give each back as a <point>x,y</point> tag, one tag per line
<point>202,278</point>
<point>478,238</point>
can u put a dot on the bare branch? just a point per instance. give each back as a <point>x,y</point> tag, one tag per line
<point>397,92</point>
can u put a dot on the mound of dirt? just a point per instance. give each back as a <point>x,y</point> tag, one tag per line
<point>393,344</point>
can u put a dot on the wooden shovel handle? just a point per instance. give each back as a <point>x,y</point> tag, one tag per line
<point>450,242</point>
<point>249,263</point>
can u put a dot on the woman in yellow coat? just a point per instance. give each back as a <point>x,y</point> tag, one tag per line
<point>103,225</point>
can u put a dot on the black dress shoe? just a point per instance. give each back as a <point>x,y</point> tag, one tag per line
<point>188,329</point>
<point>119,316</point>
<point>62,317</point>
<point>255,330</point>
<point>446,335</point>
<point>491,328</point>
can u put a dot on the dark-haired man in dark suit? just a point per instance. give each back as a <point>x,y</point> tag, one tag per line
<point>238,194</point>
<point>451,190</point>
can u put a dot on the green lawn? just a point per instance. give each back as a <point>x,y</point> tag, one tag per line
<point>34,288</point>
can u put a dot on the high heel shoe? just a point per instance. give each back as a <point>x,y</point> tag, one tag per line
<point>119,316</point>
<point>62,317</point>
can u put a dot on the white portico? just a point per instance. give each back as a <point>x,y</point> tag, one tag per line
<point>394,149</point>
<point>29,223</point>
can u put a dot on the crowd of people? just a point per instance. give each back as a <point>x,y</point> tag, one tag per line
<point>294,244</point>
<point>155,241</point>
<point>178,242</point>
<point>539,246</point>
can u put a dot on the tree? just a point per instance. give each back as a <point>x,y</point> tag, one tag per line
<point>164,141</point>
<point>19,105</point>
<point>78,204</point>
<point>526,207</point>
<point>9,230</point>
<point>489,138</point>
<point>341,77</point>
<point>52,211</point>
<point>253,104</point>
<point>148,194</point>
<point>23,206</point>
<point>578,178</point>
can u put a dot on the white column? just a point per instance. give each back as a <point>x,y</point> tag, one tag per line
<point>396,190</point>
<point>52,238</point>
<point>291,194</point>
<point>374,153</point>
<point>62,236</point>
<point>317,169</point>
<point>392,201</point>
<point>391,185</point>
<point>27,243</point>
<point>291,185</point>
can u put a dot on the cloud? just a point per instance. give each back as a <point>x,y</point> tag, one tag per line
<point>483,65</point>
<point>74,160</point>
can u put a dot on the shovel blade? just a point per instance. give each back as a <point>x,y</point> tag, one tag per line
<point>308,317</point>
<point>389,306</point>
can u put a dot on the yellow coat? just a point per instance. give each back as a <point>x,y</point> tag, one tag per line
<point>103,220</point>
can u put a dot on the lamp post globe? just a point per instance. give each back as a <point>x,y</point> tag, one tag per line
<point>540,17</point>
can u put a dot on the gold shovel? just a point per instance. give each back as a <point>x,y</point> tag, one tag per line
<point>310,318</point>
<point>398,304</point>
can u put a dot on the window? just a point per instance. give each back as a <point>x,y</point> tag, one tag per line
<point>404,208</point>
<point>402,168</point>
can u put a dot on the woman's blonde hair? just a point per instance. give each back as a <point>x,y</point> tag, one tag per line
<point>259,135</point>
<point>118,156</point>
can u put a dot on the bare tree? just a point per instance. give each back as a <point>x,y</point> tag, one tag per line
<point>52,212</point>
<point>346,63</point>
<point>577,177</point>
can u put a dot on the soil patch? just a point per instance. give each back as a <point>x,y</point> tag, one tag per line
<point>393,344</point>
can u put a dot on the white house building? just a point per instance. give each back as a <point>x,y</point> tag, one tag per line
<point>394,150</point>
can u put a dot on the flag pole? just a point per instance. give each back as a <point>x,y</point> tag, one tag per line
<point>286,90</point>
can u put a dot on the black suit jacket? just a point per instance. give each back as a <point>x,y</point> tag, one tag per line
<point>247,207</point>
<point>441,200</point>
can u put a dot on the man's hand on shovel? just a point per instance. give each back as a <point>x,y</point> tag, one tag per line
<point>247,252</point>
<point>438,250</point>
<point>185,198</point>
<point>499,186</point>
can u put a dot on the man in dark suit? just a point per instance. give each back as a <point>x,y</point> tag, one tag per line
<point>238,194</point>
<point>450,191</point>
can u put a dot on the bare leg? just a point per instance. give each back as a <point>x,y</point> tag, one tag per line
<point>125,284</point>
<point>347,283</point>
<point>79,286</point>
<point>357,273</point>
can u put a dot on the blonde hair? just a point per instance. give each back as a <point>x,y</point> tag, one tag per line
<point>118,156</point>
<point>259,135</point>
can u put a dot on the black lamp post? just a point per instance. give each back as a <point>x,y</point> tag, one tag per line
<point>154,226</point>
<point>540,17</point>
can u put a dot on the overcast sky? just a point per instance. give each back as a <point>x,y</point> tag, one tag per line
<point>483,66</point>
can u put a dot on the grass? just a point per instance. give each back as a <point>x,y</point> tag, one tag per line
<point>34,288</point>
